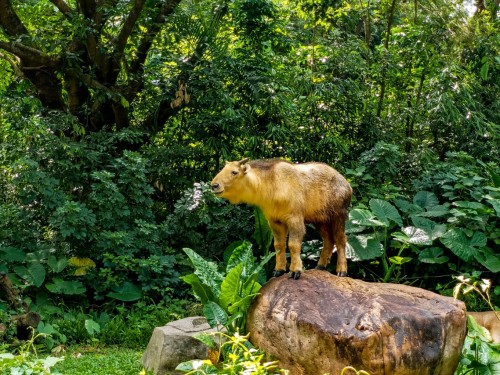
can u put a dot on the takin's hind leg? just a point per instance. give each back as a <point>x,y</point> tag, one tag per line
<point>326,232</point>
<point>340,240</point>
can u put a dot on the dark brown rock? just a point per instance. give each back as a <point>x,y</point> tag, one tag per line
<point>322,323</point>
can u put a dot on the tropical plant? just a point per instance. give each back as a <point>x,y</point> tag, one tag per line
<point>27,362</point>
<point>227,295</point>
<point>238,357</point>
<point>479,354</point>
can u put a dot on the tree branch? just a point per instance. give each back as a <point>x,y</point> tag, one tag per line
<point>146,42</point>
<point>121,40</point>
<point>14,63</point>
<point>30,54</point>
<point>63,8</point>
<point>9,20</point>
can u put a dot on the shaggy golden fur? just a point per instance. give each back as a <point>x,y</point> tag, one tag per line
<point>291,195</point>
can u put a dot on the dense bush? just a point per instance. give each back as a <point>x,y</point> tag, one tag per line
<point>444,223</point>
<point>79,219</point>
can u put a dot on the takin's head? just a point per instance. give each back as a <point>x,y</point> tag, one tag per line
<point>230,181</point>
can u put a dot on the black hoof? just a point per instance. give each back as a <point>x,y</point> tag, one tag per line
<point>342,274</point>
<point>278,273</point>
<point>294,275</point>
<point>321,268</point>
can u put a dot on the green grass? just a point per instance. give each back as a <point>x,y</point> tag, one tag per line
<point>100,361</point>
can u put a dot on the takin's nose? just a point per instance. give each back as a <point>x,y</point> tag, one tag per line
<point>215,186</point>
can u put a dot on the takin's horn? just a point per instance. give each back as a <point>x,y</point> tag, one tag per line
<point>241,162</point>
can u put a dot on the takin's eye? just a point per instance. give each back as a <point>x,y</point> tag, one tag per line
<point>234,173</point>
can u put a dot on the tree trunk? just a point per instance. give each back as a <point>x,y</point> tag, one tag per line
<point>24,322</point>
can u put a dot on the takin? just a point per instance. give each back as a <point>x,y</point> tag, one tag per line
<point>291,195</point>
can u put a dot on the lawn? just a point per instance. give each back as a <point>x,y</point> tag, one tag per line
<point>100,361</point>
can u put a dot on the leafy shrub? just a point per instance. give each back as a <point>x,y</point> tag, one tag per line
<point>82,202</point>
<point>479,354</point>
<point>238,357</point>
<point>127,326</point>
<point>226,296</point>
<point>453,226</point>
<point>204,222</point>
<point>383,161</point>
<point>27,362</point>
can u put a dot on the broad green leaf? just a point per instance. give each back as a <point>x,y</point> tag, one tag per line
<point>206,271</point>
<point>408,207</point>
<point>413,235</point>
<point>471,205</point>
<point>476,330</point>
<point>489,259</point>
<point>239,255</point>
<point>127,292</point>
<point>243,304</point>
<point>36,274</point>
<point>257,272</point>
<point>12,254</point>
<point>433,255</point>
<point>230,249</point>
<point>69,287</point>
<point>263,235</point>
<point>464,247</point>
<point>215,314</point>
<point>478,239</point>
<point>364,217</point>
<point>400,260</point>
<point>495,203</point>
<point>433,229</point>
<point>385,212</point>
<point>484,71</point>
<point>50,361</point>
<point>425,199</point>
<point>436,211</point>
<point>206,338</point>
<point>45,328</point>
<point>362,247</point>
<point>197,364</point>
<point>57,265</point>
<point>231,287</point>
<point>203,292</point>
<point>92,327</point>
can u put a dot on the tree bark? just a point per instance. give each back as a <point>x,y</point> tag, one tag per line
<point>25,321</point>
<point>91,63</point>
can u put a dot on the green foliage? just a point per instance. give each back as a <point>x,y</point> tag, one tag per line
<point>479,354</point>
<point>99,361</point>
<point>226,296</point>
<point>238,357</point>
<point>129,327</point>
<point>86,203</point>
<point>27,362</point>
<point>202,221</point>
<point>459,230</point>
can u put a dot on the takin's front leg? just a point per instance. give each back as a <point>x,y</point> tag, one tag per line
<point>279,232</point>
<point>296,230</point>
